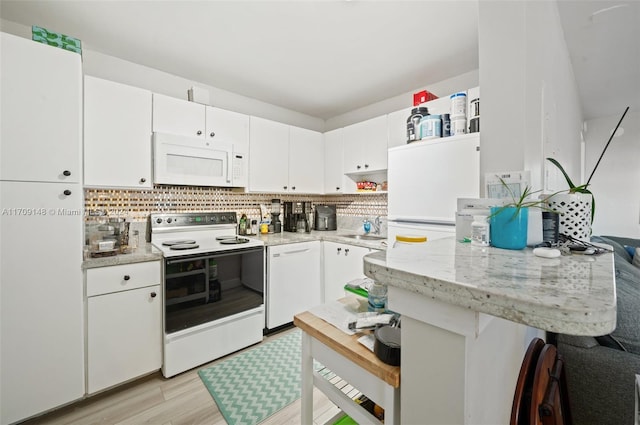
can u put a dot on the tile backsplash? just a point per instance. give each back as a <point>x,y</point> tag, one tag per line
<point>136,205</point>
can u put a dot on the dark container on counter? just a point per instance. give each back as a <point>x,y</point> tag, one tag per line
<point>413,123</point>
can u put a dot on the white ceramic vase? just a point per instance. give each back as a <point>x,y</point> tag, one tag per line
<point>575,214</point>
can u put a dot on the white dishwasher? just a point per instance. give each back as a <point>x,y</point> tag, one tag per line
<point>293,281</point>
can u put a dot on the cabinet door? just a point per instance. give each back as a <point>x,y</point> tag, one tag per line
<point>365,146</point>
<point>229,127</point>
<point>342,263</point>
<point>41,308</point>
<point>177,116</point>
<point>352,149</point>
<point>333,169</point>
<point>375,143</point>
<point>41,112</point>
<point>124,336</point>
<point>117,135</point>
<point>293,283</point>
<point>306,161</point>
<point>268,156</point>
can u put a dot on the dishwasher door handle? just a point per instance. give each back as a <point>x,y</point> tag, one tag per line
<point>298,251</point>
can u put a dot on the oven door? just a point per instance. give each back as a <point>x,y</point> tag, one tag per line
<point>201,289</point>
<point>181,160</point>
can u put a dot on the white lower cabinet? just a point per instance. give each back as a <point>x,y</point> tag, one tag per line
<point>342,263</point>
<point>293,281</point>
<point>124,323</point>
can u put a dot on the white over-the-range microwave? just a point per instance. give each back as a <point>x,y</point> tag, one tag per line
<point>191,161</point>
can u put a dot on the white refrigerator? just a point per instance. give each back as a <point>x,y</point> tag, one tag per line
<point>425,180</point>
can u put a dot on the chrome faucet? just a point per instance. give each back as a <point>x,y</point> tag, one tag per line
<point>376,225</point>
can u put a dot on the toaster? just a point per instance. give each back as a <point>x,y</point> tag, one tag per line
<point>325,218</point>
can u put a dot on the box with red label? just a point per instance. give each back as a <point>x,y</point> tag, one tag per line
<point>423,96</point>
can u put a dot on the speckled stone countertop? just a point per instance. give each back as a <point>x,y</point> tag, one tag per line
<point>572,294</point>
<point>339,236</point>
<point>146,252</point>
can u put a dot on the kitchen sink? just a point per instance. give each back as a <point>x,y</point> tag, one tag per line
<point>366,237</point>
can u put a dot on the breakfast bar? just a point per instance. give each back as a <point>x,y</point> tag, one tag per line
<point>469,312</point>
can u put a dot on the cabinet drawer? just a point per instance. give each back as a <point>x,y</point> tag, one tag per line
<point>104,280</point>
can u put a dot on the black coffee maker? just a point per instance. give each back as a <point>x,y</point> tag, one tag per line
<point>297,216</point>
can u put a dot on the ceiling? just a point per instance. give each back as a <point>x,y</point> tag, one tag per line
<point>603,38</point>
<point>325,58</point>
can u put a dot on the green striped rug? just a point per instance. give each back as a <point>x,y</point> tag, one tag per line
<point>251,386</point>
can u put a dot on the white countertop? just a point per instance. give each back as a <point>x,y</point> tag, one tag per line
<point>572,294</point>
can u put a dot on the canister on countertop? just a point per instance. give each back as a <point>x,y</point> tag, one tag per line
<point>413,123</point>
<point>430,127</point>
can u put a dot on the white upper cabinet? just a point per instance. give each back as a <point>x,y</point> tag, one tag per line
<point>333,168</point>
<point>284,159</point>
<point>41,103</point>
<point>269,156</point>
<point>117,135</point>
<point>177,116</point>
<point>228,126</point>
<point>365,146</point>
<point>306,161</point>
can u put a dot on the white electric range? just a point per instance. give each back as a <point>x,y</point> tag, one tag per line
<point>213,294</point>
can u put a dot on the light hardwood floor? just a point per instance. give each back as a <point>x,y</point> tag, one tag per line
<point>180,400</point>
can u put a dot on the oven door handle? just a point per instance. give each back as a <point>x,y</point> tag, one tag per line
<point>183,260</point>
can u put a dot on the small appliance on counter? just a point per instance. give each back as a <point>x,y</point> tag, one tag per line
<point>276,225</point>
<point>297,216</point>
<point>325,218</point>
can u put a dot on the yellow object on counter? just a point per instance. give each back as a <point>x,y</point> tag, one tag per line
<point>264,228</point>
<point>412,239</point>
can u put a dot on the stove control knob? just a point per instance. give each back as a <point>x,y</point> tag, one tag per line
<point>169,220</point>
<point>214,219</point>
<point>158,220</point>
<point>223,218</point>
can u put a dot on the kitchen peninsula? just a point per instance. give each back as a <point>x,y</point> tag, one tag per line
<point>467,317</point>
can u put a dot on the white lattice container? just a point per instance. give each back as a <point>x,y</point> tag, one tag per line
<point>575,214</point>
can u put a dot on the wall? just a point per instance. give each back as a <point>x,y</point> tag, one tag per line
<point>615,184</point>
<point>136,205</point>
<point>405,100</point>
<point>115,69</point>
<point>530,103</point>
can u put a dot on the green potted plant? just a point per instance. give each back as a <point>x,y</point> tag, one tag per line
<point>577,207</point>
<point>509,223</point>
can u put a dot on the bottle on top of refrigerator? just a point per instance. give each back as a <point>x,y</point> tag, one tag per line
<point>413,123</point>
<point>458,105</point>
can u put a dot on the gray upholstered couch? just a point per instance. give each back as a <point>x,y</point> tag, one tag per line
<point>601,371</point>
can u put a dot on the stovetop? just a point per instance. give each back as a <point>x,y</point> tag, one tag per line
<point>181,234</point>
